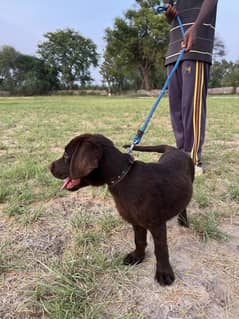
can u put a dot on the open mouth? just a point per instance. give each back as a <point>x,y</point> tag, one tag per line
<point>70,183</point>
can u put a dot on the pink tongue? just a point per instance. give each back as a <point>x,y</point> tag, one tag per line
<point>70,183</point>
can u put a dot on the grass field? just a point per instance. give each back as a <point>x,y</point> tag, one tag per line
<point>55,261</point>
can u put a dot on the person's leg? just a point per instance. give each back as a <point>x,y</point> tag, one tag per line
<point>175,98</point>
<point>194,92</point>
<point>206,71</point>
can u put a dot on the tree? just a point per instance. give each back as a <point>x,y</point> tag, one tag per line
<point>231,77</point>
<point>34,76</point>
<point>216,74</point>
<point>137,44</point>
<point>8,58</point>
<point>219,65</point>
<point>224,73</point>
<point>25,74</point>
<point>70,54</point>
<point>219,50</point>
<point>113,75</point>
<point>119,76</point>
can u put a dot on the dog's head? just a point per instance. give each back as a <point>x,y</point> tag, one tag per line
<point>78,166</point>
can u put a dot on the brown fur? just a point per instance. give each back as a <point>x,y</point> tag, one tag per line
<point>146,196</point>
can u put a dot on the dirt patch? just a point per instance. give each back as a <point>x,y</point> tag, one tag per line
<point>207,274</point>
<point>207,280</point>
<point>27,251</point>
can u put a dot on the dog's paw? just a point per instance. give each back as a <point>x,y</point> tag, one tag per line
<point>133,259</point>
<point>165,278</point>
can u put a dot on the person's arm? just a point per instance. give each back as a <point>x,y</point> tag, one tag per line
<point>207,7</point>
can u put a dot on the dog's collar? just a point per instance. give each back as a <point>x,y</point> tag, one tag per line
<point>114,181</point>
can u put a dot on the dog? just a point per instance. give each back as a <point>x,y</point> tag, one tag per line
<point>146,195</point>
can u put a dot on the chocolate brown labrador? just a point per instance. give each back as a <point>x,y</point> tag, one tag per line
<point>146,194</point>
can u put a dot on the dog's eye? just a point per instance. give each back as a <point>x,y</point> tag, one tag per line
<point>66,157</point>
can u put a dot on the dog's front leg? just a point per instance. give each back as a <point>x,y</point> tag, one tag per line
<point>137,256</point>
<point>164,273</point>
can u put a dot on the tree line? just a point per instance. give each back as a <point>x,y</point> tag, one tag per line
<point>133,58</point>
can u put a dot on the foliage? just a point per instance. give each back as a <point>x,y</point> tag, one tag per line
<point>224,73</point>
<point>232,74</point>
<point>34,76</point>
<point>219,50</point>
<point>133,58</point>
<point>135,47</point>
<point>70,54</point>
<point>8,58</point>
<point>25,74</point>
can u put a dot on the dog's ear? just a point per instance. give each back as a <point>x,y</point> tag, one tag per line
<point>84,159</point>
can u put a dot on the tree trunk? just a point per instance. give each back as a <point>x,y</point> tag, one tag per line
<point>70,85</point>
<point>145,72</point>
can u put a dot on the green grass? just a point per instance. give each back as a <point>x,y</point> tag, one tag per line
<point>68,293</point>
<point>73,284</point>
<point>109,223</point>
<point>34,131</point>
<point>234,192</point>
<point>207,226</point>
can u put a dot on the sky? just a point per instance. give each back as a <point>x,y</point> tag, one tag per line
<point>24,22</point>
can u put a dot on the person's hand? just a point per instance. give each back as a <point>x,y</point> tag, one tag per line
<point>170,12</point>
<point>189,38</point>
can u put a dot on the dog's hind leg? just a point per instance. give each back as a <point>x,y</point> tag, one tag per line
<point>164,273</point>
<point>137,256</point>
<point>183,219</point>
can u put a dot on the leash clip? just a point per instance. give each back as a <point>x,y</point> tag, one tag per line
<point>136,140</point>
<point>130,149</point>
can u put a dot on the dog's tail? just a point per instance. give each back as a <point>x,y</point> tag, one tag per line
<point>157,148</point>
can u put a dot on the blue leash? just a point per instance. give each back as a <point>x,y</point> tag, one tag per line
<point>140,133</point>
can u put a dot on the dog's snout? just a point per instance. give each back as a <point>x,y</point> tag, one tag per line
<point>58,170</point>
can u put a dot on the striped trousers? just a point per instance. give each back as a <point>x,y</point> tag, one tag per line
<point>187,100</point>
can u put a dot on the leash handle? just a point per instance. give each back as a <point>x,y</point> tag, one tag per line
<point>140,132</point>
